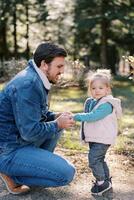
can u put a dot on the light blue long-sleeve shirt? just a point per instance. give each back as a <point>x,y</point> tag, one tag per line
<point>94,115</point>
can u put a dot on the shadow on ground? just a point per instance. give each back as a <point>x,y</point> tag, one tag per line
<point>62,193</point>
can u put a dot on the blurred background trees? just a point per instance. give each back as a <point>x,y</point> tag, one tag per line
<point>105,29</point>
<point>97,32</point>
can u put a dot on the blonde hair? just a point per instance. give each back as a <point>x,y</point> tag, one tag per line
<point>100,74</point>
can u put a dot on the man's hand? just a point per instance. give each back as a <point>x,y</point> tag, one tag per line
<point>61,113</point>
<point>65,120</point>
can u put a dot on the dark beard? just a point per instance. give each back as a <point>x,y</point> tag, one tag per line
<point>52,82</point>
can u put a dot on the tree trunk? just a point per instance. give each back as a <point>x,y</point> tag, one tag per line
<point>27,31</point>
<point>3,40</point>
<point>104,30</point>
<point>15,31</point>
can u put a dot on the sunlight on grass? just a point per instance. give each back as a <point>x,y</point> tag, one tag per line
<point>1,86</point>
<point>68,99</point>
<point>71,140</point>
<point>127,121</point>
<point>125,144</point>
<point>71,92</point>
<point>67,106</point>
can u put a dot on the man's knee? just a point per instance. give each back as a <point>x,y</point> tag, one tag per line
<point>69,173</point>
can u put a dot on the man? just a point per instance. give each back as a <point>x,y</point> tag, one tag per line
<point>28,130</point>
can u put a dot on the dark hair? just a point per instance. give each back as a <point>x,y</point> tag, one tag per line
<point>48,51</point>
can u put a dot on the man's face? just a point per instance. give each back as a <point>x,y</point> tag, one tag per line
<point>55,69</point>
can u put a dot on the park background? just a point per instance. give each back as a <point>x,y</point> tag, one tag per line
<point>96,34</point>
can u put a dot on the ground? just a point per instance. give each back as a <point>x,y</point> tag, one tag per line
<point>121,167</point>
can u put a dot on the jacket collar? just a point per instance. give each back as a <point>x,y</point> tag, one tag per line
<point>42,76</point>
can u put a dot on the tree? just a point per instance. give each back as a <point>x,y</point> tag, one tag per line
<point>95,27</point>
<point>15,25</point>
<point>3,29</point>
<point>60,22</point>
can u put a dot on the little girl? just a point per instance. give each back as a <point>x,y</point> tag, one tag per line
<point>99,127</point>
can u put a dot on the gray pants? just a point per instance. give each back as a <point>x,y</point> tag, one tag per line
<point>97,162</point>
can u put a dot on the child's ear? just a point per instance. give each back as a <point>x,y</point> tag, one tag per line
<point>109,91</point>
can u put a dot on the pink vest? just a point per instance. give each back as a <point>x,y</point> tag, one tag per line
<point>104,130</point>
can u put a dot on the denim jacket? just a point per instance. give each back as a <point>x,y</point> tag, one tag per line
<point>24,115</point>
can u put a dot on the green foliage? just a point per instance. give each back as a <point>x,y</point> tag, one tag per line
<point>101,26</point>
<point>28,22</point>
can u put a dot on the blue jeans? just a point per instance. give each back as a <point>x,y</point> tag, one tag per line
<point>39,166</point>
<point>97,161</point>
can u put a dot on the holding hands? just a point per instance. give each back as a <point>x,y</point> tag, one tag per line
<point>65,120</point>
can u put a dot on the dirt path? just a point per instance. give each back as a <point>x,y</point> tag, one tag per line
<point>122,170</point>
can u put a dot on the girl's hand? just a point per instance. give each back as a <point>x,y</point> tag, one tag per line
<point>63,113</point>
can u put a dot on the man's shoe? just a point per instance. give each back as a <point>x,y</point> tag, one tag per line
<point>12,187</point>
<point>100,189</point>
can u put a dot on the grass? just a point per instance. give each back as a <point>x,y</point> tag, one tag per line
<point>69,99</point>
<point>125,144</point>
<point>72,99</point>
<point>124,89</point>
<point>66,99</point>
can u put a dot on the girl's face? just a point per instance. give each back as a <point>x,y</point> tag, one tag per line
<point>99,89</point>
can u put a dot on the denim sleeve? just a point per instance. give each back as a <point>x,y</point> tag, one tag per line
<point>27,112</point>
<point>50,116</point>
<point>101,112</point>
